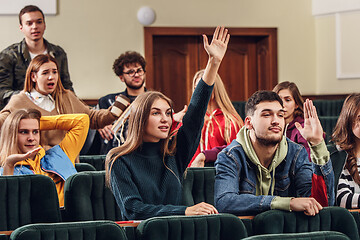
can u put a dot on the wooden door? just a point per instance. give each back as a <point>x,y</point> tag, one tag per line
<point>174,55</point>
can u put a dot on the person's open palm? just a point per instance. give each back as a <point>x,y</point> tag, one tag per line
<point>312,130</point>
<point>217,48</point>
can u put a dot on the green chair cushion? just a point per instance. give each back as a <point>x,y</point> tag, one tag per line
<point>215,227</point>
<point>198,186</point>
<point>329,219</point>
<point>98,161</point>
<point>82,167</point>
<point>321,235</point>
<point>87,198</point>
<point>93,230</point>
<point>26,199</point>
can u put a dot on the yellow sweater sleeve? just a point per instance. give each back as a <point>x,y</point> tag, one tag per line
<point>76,125</point>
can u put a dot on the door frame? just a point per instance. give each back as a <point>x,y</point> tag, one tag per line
<point>269,33</point>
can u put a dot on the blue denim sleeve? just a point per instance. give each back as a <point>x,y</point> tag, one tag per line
<point>303,176</point>
<point>228,198</point>
<point>327,172</point>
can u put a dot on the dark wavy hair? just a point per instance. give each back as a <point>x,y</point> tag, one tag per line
<point>127,58</point>
<point>343,135</point>
<point>258,97</point>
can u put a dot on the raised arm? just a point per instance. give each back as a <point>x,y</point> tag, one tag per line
<point>216,51</point>
<point>76,125</point>
<point>312,130</point>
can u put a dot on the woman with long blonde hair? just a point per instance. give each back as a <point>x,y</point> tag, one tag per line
<point>44,91</point>
<point>145,173</point>
<point>222,122</point>
<point>21,152</point>
<point>346,136</point>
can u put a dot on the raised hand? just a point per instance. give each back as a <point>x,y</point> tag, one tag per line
<point>217,48</point>
<point>14,158</point>
<point>179,115</point>
<point>312,130</point>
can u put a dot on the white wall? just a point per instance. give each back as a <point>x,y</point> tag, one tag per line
<point>94,33</point>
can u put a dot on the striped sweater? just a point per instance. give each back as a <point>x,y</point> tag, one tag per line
<point>348,191</point>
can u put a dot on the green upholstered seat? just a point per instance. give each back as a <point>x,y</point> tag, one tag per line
<point>215,227</point>
<point>198,186</point>
<point>26,199</point>
<point>329,219</point>
<point>328,107</point>
<point>321,235</point>
<point>240,108</point>
<point>98,161</point>
<point>328,124</point>
<point>87,198</point>
<point>82,167</point>
<point>338,161</point>
<point>93,230</point>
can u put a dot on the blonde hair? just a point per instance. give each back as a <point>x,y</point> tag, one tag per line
<point>140,112</point>
<point>9,132</point>
<point>223,101</point>
<point>34,68</point>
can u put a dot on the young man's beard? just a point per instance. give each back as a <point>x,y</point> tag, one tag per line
<point>136,87</point>
<point>267,141</point>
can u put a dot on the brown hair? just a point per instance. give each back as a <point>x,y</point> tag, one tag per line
<point>140,112</point>
<point>30,8</point>
<point>9,132</point>
<point>299,111</point>
<point>223,101</point>
<point>343,135</point>
<point>33,68</point>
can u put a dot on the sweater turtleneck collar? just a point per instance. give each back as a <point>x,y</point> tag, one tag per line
<point>150,148</point>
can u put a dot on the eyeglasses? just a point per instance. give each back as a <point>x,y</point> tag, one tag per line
<point>132,72</point>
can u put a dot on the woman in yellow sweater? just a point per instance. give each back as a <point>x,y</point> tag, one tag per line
<point>21,152</point>
<point>44,91</point>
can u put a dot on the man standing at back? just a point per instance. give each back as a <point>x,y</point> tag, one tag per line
<point>15,59</point>
<point>263,170</point>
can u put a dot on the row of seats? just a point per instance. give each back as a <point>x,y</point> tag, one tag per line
<point>330,223</point>
<point>87,198</point>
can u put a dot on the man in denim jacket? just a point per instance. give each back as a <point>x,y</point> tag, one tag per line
<point>263,170</point>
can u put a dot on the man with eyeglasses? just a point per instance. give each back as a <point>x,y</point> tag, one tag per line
<point>130,68</point>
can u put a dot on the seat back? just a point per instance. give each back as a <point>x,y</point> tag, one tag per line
<point>338,159</point>
<point>328,107</point>
<point>329,219</point>
<point>240,108</point>
<point>26,199</point>
<point>321,235</point>
<point>328,124</point>
<point>82,167</point>
<point>94,230</point>
<point>198,186</point>
<point>87,198</point>
<point>217,226</point>
<point>97,161</point>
